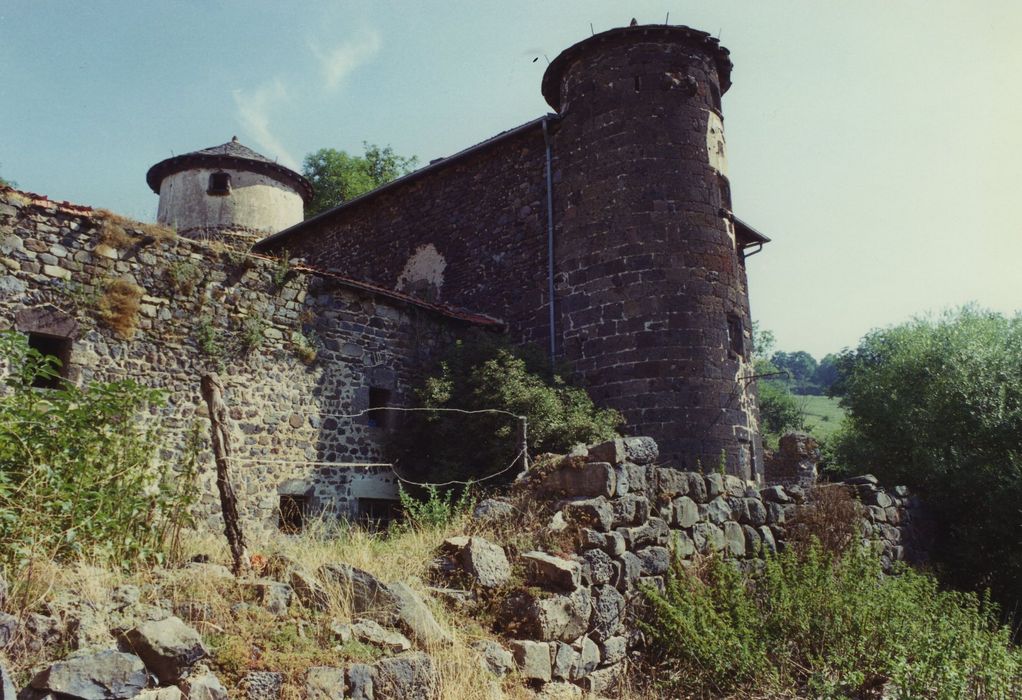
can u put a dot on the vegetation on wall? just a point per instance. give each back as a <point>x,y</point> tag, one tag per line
<point>182,277</point>
<point>118,306</point>
<point>483,373</point>
<point>337,176</point>
<point>77,468</point>
<point>937,404</point>
<point>121,233</point>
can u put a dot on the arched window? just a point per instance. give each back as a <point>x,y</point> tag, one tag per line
<point>219,185</point>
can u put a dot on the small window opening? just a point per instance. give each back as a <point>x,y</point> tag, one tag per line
<point>379,400</point>
<point>725,191</point>
<point>736,335</point>
<point>715,96</point>
<point>292,514</point>
<point>219,184</point>
<point>55,346</point>
<point>378,513</point>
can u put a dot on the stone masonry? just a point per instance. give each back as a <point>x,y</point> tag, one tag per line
<point>297,350</point>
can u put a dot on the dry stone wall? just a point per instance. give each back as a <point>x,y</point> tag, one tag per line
<point>621,519</point>
<point>296,350</point>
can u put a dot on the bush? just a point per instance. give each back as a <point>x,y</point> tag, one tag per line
<point>77,472</point>
<point>435,510</point>
<point>937,405</point>
<point>481,374</point>
<point>819,625</point>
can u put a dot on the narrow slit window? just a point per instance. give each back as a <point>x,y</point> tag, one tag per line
<point>379,400</point>
<point>54,346</point>
<point>219,184</point>
<point>736,335</point>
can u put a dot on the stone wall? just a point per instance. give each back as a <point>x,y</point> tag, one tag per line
<point>650,295</point>
<point>296,349</point>
<point>618,518</point>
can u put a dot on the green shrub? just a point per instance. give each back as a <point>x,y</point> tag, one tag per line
<point>435,509</point>
<point>78,474</point>
<point>937,404</point>
<point>821,625</point>
<point>480,374</point>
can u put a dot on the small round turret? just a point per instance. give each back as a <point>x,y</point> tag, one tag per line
<point>228,192</point>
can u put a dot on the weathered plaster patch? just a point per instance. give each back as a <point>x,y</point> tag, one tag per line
<point>423,273</point>
<point>715,147</point>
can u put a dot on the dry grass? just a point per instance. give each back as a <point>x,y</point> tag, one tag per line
<point>831,517</point>
<point>246,637</point>
<point>121,233</point>
<point>118,307</point>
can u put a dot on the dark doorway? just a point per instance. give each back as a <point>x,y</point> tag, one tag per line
<point>292,514</point>
<point>55,346</point>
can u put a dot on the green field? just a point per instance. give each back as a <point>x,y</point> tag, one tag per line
<point>823,415</point>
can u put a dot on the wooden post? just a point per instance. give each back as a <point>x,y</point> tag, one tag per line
<point>523,441</point>
<point>219,427</point>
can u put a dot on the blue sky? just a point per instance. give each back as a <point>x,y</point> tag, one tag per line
<point>878,142</point>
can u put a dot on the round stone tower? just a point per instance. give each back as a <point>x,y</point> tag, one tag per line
<point>229,193</point>
<point>651,284</point>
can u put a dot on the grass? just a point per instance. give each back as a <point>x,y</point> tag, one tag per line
<point>823,414</point>
<point>245,638</point>
<point>119,305</point>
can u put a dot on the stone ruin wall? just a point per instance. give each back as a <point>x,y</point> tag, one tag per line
<point>55,270</point>
<point>573,620</point>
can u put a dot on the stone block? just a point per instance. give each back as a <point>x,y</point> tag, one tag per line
<point>587,480</point>
<point>671,483</point>
<point>360,682</point>
<point>629,509</point>
<point>595,513</point>
<point>714,485</point>
<point>495,658</point>
<point>608,612</point>
<point>588,658</point>
<point>324,683</point>
<point>597,567</point>
<point>564,659</point>
<point>167,647</point>
<point>685,512</point>
<point>373,634</point>
<point>550,572</point>
<point>613,650</point>
<point>533,659</point>
<point>734,540</point>
<point>717,511</point>
<point>409,675</point>
<point>655,560</point>
<point>262,685</point>
<point>697,487</point>
<point>775,494</point>
<point>707,538</point>
<point>94,676</point>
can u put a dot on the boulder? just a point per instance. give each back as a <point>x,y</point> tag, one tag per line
<point>671,483</point>
<point>372,633</point>
<point>613,650</point>
<point>597,567</point>
<point>546,571</point>
<point>588,658</point>
<point>365,592</point>
<point>414,616</point>
<point>638,450</point>
<point>203,686</point>
<point>589,479</point>
<point>360,682</point>
<point>657,560</point>
<point>608,612</point>
<point>685,512</point>
<point>595,513</point>
<point>495,658</point>
<point>564,660</point>
<point>262,685</point>
<point>272,595</point>
<point>548,617</point>
<point>308,590</point>
<point>533,659</point>
<point>411,675</point>
<point>481,559</point>
<point>168,647</point>
<point>324,683</point>
<point>734,539</point>
<point>105,675</point>
<point>492,510</point>
<point>717,511</point>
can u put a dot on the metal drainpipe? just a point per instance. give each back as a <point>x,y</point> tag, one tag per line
<point>550,237</point>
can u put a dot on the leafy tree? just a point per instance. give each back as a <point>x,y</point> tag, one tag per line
<point>801,365</point>
<point>338,176</point>
<point>826,374</point>
<point>481,373</point>
<point>937,404</point>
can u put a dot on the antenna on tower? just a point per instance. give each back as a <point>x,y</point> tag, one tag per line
<point>592,31</point>
<point>667,19</point>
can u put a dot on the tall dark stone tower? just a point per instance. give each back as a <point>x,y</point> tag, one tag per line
<point>651,287</point>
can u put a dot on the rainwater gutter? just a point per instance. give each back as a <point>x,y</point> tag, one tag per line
<point>550,235</point>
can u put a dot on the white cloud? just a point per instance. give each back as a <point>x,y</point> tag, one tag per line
<point>338,63</point>
<point>254,115</point>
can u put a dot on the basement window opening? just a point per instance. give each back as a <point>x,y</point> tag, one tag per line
<point>54,346</point>
<point>378,513</point>
<point>219,185</point>
<point>379,400</point>
<point>735,335</point>
<point>292,514</point>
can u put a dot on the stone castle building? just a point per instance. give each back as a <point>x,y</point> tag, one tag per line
<point>602,232</point>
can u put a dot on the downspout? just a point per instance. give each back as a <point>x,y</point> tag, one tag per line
<point>550,238</point>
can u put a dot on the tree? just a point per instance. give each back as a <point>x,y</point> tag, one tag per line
<point>779,411</point>
<point>337,176</point>
<point>826,374</point>
<point>937,405</point>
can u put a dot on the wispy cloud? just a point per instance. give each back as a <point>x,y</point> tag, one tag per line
<point>254,108</point>
<point>338,62</point>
